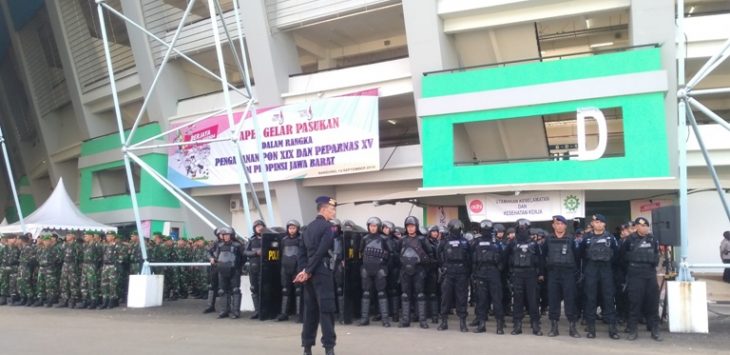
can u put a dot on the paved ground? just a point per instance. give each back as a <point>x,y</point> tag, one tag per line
<point>179,328</point>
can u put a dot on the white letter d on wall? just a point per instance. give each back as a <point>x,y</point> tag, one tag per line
<point>596,114</point>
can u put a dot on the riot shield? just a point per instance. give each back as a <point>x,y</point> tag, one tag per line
<point>270,286</point>
<point>352,236</point>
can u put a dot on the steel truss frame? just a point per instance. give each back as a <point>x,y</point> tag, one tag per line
<point>130,149</point>
<point>686,100</point>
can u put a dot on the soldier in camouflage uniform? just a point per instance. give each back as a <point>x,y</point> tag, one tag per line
<point>9,272</point>
<point>165,253</point>
<point>3,242</point>
<point>69,283</point>
<point>181,275</point>
<point>89,282</point>
<point>199,279</point>
<point>135,254</point>
<point>113,257</point>
<point>26,262</point>
<point>100,242</point>
<point>123,272</point>
<point>47,287</point>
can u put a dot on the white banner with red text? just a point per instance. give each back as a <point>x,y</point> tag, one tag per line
<point>535,206</point>
<point>331,136</point>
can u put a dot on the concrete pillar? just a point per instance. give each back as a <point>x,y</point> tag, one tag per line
<point>297,202</point>
<point>653,22</point>
<point>90,125</point>
<point>273,54</point>
<point>429,48</point>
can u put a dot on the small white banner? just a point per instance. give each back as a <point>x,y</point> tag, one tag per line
<point>535,206</point>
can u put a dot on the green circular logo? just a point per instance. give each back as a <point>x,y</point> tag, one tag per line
<point>571,203</point>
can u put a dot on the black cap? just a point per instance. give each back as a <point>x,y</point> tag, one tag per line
<point>599,217</point>
<point>641,221</point>
<point>325,199</point>
<point>559,218</point>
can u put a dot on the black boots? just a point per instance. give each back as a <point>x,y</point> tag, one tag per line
<point>405,318</point>
<point>329,351</point>
<point>517,327</point>
<point>365,309</point>
<point>536,328</point>
<point>20,302</point>
<point>341,308</point>
<point>423,320</point>
<point>62,304</point>
<point>462,325</point>
<point>394,308</point>
<point>284,309</point>
<point>591,331</point>
<point>82,305</point>
<point>226,307</point>
<point>572,331</point>
<point>38,302</point>
<point>553,329</point>
<point>3,301</point>
<point>307,350</point>
<point>105,303</point>
<point>236,311</point>
<point>655,333</point>
<point>481,327</point>
<point>434,309</point>
<point>383,307</point>
<point>255,314</point>
<point>613,331</point>
<point>211,302</point>
<point>444,323</point>
<point>500,326</point>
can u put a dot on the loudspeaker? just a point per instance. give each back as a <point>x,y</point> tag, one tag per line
<point>665,225</point>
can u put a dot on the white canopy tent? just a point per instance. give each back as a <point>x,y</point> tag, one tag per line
<point>58,213</point>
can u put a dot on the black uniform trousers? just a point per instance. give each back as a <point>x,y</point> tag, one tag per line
<point>287,286</point>
<point>229,280</point>
<point>255,278</point>
<point>643,295</point>
<point>524,286</point>
<point>561,286</point>
<point>598,274</point>
<point>319,308</point>
<point>489,290</point>
<point>454,290</point>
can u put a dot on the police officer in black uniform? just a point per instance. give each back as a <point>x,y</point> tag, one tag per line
<point>291,244</point>
<point>317,278</point>
<point>526,267</point>
<point>641,253</point>
<point>393,287</point>
<point>599,248</point>
<point>415,254</point>
<point>253,257</point>
<point>227,256</point>
<point>488,260</point>
<point>374,270</point>
<point>454,260</point>
<point>500,238</point>
<point>561,259</point>
<point>431,285</point>
<point>338,255</point>
<point>212,276</point>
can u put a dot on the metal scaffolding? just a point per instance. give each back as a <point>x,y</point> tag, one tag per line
<point>129,149</point>
<point>686,97</point>
<point>11,179</point>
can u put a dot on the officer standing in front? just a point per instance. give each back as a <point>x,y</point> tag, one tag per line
<point>488,261</point>
<point>415,254</point>
<point>291,244</point>
<point>561,260</point>
<point>227,256</point>
<point>599,247</point>
<point>374,270</point>
<point>317,277</point>
<point>253,257</point>
<point>524,256</point>
<point>641,253</point>
<point>454,257</point>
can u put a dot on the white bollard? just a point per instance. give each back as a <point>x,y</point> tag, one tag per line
<point>145,291</point>
<point>246,300</point>
<point>687,307</point>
